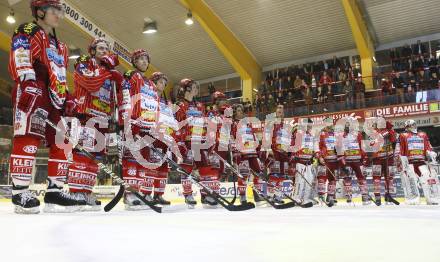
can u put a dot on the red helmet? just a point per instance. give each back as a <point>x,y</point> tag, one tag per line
<point>218,96</point>
<point>95,42</point>
<point>186,84</point>
<point>38,4</point>
<point>138,53</point>
<point>156,76</point>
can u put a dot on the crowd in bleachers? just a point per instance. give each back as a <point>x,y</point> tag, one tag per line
<point>310,84</point>
<point>336,84</point>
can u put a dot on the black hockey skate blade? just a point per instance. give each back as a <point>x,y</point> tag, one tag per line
<point>115,200</point>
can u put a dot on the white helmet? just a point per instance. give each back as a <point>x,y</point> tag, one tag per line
<point>411,125</point>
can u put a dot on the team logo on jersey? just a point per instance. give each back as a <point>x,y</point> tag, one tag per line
<point>131,171</point>
<point>20,42</point>
<point>30,149</point>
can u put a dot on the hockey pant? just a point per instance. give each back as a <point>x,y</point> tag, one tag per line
<point>244,165</point>
<point>323,175</point>
<point>379,169</point>
<point>362,182</point>
<point>29,132</point>
<point>208,167</point>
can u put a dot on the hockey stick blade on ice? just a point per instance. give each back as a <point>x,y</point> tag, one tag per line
<point>267,199</point>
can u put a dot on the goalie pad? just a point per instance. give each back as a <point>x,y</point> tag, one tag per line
<point>303,190</point>
<point>430,184</point>
<point>409,182</point>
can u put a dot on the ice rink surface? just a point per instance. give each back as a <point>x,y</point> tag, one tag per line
<point>342,233</point>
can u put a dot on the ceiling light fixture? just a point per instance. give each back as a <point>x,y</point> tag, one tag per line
<point>11,19</point>
<point>74,53</point>
<point>189,18</point>
<point>150,28</point>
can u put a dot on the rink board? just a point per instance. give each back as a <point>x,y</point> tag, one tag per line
<point>174,192</point>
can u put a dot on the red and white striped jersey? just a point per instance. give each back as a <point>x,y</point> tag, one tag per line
<point>93,88</point>
<point>38,57</point>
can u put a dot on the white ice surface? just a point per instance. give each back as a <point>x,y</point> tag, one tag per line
<point>403,233</point>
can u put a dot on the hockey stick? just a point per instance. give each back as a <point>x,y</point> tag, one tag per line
<point>260,194</point>
<point>307,205</point>
<point>386,175</point>
<point>102,167</point>
<point>220,199</point>
<point>110,205</point>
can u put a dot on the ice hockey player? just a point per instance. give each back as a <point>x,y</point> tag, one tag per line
<point>328,163</point>
<point>95,78</point>
<point>138,111</point>
<point>165,135</point>
<point>279,158</point>
<point>304,151</point>
<point>416,152</point>
<point>383,164</point>
<point>245,155</point>
<point>221,116</point>
<point>351,155</point>
<point>193,144</point>
<point>38,64</point>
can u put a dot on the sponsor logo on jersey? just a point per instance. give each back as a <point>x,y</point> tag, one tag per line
<point>30,149</point>
<point>53,56</point>
<point>194,112</point>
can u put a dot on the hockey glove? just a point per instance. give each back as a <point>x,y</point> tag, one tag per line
<point>30,91</point>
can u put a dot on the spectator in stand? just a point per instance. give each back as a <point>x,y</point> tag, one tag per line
<point>348,92</point>
<point>335,63</point>
<point>263,87</point>
<point>211,89</point>
<point>297,87</point>
<point>325,66</point>
<point>412,87</point>
<point>406,52</point>
<point>289,100</point>
<point>399,85</point>
<point>270,87</point>
<point>395,59</point>
<point>271,103</point>
<point>405,65</point>
<point>288,85</point>
<point>314,87</point>
<point>345,65</point>
<point>279,85</point>
<point>307,93</point>
<point>325,82</point>
<point>386,86</point>
<point>280,98</point>
<point>359,93</point>
<point>247,106</point>
<point>257,103</point>
<point>269,77</point>
<point>419,67</point>
<point>322,96</point>
<point>331,105</point>
<point>419,49</point>
<point>341,80</point>
<point>433,69</point>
